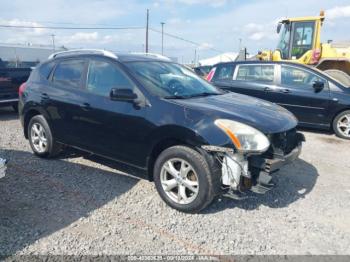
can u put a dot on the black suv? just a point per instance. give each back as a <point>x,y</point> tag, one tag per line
<point>146,112</point>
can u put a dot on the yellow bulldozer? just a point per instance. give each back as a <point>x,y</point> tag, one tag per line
<point>300,42</point>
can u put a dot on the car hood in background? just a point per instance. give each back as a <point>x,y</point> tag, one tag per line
<point>264,116</point>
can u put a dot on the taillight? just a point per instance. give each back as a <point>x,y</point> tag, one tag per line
<point>211,74</point>
<point>316,55</point>
<point>21,89</point>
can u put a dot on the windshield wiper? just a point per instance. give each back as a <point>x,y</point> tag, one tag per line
<point>192,96</point>
<point>204,94</point>
<point>175,97</point>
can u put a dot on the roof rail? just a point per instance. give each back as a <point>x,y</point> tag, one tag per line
<point>83,51</point>
<point>153,55</point>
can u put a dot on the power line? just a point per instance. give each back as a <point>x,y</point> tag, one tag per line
<point>72,28</point>
<point>107,28</point>
<point>185,40</point>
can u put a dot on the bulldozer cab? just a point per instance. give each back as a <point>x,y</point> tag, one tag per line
<point>296,38</point>
<point>300,42</point>
<point>299,39</point>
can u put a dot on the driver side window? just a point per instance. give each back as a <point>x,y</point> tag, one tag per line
<point>103,76</point>
<point>295,77</point>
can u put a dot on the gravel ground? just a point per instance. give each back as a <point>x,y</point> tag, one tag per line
<point>77,206</point>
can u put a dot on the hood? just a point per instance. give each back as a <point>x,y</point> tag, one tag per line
<point>262,115</point>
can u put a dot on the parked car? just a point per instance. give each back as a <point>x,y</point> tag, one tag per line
<point>193,140</point>
<point>10,80</point>
<point>202,71</point>
<point>316,99</point>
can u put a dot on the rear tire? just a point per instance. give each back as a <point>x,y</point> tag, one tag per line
<point>191,184</point>
<point>339,75</point>
<point>341,124</point>
<point>40,137</point>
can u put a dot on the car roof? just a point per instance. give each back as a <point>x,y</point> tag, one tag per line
<point>263,62</point>
<point>122,57</point>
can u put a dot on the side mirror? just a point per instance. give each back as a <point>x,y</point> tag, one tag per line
<point>126,95</point>
<point>318,86</point>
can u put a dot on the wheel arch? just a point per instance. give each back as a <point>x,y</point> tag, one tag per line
<point>169,136</point>
<point>29,115</point>
<point>342,64</point>
<point>337,113</point>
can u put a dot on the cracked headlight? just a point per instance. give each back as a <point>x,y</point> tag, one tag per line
<point>245,138</point>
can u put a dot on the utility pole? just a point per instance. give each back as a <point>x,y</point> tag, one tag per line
<point>162,23</point>
<point>195,56</point>
<point>53,42</point>
<point>147,22</point>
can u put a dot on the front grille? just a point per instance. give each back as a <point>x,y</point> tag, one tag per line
<point>285,141</point>
<point>282,143</point>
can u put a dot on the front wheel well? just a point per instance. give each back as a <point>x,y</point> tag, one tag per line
<point>158,149</point>
<point>29,115</point>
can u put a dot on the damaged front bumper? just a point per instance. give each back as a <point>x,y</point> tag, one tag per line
<point>272,165</point>
<point>253,172</point>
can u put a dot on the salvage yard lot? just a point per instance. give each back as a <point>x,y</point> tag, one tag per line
<point>78,205</point>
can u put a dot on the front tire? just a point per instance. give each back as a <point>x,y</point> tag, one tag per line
<point>184,180</point>
<point>40,138</point>
<point>341,124</point>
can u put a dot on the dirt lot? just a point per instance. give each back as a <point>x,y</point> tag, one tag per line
<point>73,205</point>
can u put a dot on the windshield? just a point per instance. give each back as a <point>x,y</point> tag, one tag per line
<point>283,43</point>
<point>170,80</point>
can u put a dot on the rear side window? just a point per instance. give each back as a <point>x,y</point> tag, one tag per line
<point>69,72</point>
<point>45,69</point>
<point>256,73</point>
<point>224,72</point>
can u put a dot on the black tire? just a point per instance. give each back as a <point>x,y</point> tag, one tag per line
<point>53,148</point>
<point>209,179</point>
<point>336,130</point>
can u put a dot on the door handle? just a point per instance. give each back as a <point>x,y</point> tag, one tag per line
<point>285,90</point>
<point>86,106</point>
<point>267,89</point>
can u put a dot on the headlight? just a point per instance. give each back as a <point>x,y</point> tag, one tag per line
<point>244,137</point>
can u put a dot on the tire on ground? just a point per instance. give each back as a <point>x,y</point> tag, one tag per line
<point>209,178</point>
<point>53,148</point>
<point>335,124</point>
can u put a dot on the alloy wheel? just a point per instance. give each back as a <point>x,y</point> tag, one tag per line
<point>179,181</point>
<point>38,138</point>
<point>343,125</point>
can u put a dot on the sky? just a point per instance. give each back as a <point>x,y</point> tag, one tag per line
<point>214,25</point>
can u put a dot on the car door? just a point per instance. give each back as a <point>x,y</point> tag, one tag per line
<point>112,128</point>
<point>249,79</point>
<point>254,79</point>
<point>64,100</point>
<point>296,92</point>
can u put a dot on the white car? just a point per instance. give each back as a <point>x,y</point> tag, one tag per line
<point>2,167</point>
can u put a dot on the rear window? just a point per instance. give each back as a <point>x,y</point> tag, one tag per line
<point>256,73</point>
<point>69,72</point>
<point>224,72</point>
